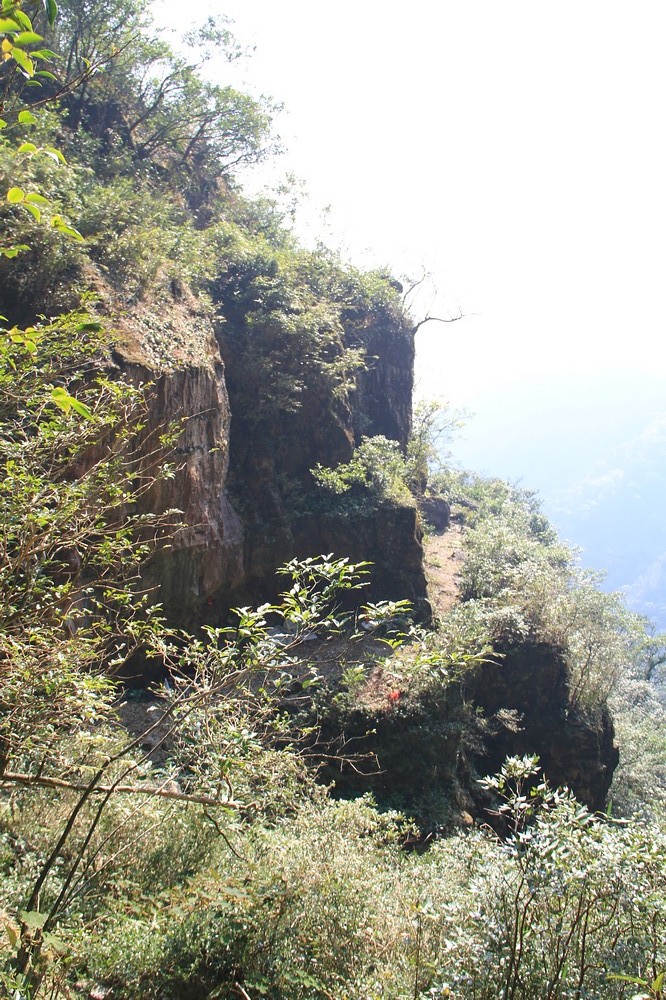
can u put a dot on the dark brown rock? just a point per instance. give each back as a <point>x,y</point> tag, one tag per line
<point>524,701</point>
<point>435,511</point>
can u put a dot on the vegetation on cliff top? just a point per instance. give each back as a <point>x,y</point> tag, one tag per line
<point>184,849</point>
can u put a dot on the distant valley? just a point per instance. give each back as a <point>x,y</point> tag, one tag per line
<point>595,451</point>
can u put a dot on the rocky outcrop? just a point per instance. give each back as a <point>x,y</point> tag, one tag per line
<point>422,751</point>
<point>523,707</point>
<point>242,481</point>
<point>436,511</point>
<point>248,503</point>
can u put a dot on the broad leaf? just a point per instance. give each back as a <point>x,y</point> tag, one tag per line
<point>50,9</point>
<point>34,211</point>
<point>28,38</point>
<point>32,918</point>
<point>24,61</point>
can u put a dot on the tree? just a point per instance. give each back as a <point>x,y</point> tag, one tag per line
<point>433,425</point>
<point>138,94</point>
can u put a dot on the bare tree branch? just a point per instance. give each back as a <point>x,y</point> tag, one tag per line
<point>160,791</point>
<point>437,319</point>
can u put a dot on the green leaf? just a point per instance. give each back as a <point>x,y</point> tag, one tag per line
<point>27,38</point>
<point>50,9</point>
<point>54,153</point>
<point>58,945</point>
<point>36,199</point>
<point>59,223</point>
<point>15,195</point>
<point>24,61</point>
<point>46,73</point>
<point>67,403</point>
<point>14,250</point>
<point>27,118</point>
<point>44,54</point>
<point>32,918</point>
<point>3,123</point>
<point>61,398</point>
<point>80,408</point>
<point>27,147</point>
<point>34,211</point>
<point>8,24</point>
<point>22,19</point>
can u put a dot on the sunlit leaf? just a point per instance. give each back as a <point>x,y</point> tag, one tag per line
<point>36,199</point>
<point>54,153</point>
<point>27,118</point>
<point>43,54</point>
<point>22,19</point>
<point>81,408</point>
<point>34,211</point>
<point>24,61</point>
<point>27,147</point>
<point>68,403</point>
<point>15,195</point>
<point>32,918</point>
<point>59,223</point>
<point>13,251</point>
<point>28,38</point>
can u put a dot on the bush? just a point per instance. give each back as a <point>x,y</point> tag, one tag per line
<point>378,467</point>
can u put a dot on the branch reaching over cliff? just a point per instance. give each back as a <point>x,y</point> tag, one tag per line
<point>436,319</point>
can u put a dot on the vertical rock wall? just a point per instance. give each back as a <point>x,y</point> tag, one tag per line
<point>243,486</point>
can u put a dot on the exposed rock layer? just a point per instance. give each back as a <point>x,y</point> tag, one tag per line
<point>247,499</point>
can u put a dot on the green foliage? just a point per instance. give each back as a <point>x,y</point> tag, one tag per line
<point>24,60</point>
<point>639,783</point>
<point>146,105</point>
<point>294,325</point>
<point>515,564</point>
<point>568,902</point>
<point>184,849</point>
<point>378,467</point>
<point>433,426</point>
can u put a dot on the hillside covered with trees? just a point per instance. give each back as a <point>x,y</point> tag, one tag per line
<point>288,707</point>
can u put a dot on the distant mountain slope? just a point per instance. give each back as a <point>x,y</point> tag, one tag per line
<point>595,449</point>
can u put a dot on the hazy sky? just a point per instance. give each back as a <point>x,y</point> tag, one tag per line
<point>516,150</point>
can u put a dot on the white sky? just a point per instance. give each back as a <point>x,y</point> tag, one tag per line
<point>515,149</point>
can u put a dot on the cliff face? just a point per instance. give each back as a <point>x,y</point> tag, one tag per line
<point>424,752</point>
<point>524,708</point>
<point>249,503</point>
<point>242,483</point>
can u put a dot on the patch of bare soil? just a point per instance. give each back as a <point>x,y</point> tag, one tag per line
<point>443,561</point>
